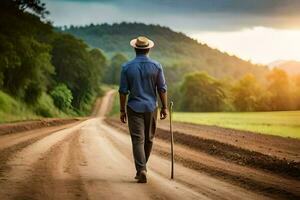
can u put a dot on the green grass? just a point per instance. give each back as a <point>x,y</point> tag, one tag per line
<point>285,124</point>
<point>14,110</point>
<point>46,108</point>
<point>115,110</point>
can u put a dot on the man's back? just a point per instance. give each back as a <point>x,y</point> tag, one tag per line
<point>141,77</point>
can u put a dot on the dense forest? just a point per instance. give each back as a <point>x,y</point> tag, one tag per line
<point>42,72</point>
<point>174,50</point>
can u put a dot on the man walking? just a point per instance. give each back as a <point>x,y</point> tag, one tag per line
<point>141,78</point>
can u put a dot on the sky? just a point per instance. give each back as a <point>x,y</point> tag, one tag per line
<point>262,31</point>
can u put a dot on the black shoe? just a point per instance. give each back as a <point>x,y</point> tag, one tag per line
<point>137,175</point>
<point>142,177</point>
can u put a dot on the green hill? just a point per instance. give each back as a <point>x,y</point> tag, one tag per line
<point>171,48</point>
<point>43,73</point>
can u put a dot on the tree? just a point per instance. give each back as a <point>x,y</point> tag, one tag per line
<point>35,5</point>
<point>8,57</point>
<point>114,70</point>
<point>26,74</point>
<point>201,92</point>
<point>62,97</point>
<point>99,62</point>
<point>247,94</point>
<point>24,57</point>
<point>279,87</point>
<point>35,60</point>
<point>75,68</point>
<point>70,58</point>
<point>296,91</point>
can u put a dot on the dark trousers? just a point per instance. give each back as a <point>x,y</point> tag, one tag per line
<point>142,128</point>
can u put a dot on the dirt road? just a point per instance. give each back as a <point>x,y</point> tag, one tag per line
<point>91,160</point>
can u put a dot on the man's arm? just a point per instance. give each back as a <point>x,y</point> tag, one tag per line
<point>162,91</point>
<point>123,91</point>
<point>123,116</point>
<point>163,99</point>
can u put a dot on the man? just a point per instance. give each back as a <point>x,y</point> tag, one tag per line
<point>141,78</point>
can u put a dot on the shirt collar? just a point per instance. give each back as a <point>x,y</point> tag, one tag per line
<point>141,56</point>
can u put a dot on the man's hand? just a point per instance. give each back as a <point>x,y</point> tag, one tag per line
<point>163,110</point>
<point>123,117</point>
<point>163,113</point>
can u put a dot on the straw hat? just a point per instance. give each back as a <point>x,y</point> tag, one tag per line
<point>142,42</point>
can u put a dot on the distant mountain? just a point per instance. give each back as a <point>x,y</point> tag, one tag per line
<point>173,49</point>
<point>290,66</point>
<point>276,63</point>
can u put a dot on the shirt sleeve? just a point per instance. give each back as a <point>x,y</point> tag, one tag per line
<point>123,87</point>
<point>161,82</point>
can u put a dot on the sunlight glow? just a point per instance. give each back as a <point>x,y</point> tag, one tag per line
<point>260,44</point>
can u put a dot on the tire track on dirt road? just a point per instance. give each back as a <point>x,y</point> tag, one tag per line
<point>11,144</point>
<point>22,164</point>
<point>229,152</point>
<point>57,173</point>
<point>269,184</point>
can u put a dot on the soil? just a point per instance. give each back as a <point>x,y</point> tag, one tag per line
<point>89,159</point>
<point>9,128</point>
<point>233,163</point>
<point>283,148</point>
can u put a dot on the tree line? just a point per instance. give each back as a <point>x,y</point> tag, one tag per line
<point>200,92</point>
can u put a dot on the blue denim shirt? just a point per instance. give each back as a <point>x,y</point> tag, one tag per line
<point>141,78</point>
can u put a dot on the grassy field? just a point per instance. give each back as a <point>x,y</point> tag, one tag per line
<point>285,124</point>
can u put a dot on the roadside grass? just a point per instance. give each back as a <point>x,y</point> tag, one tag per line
<point>46,108</point>
<point>14,110</point>
<point>115,109</point>
<point>283,123</point>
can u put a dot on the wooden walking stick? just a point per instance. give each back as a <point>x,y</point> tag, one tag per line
<point>172,140</point>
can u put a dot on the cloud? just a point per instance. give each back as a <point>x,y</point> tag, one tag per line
<point>260,44</point>
<point>219,15</point>
<point>261,7</point>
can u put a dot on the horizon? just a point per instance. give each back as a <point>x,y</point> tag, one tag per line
<point>262,32</point>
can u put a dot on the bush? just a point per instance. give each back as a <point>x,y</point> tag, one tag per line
<point>46,108</point>
<point>7,103</point>
<point>62,97</point>
<point>202,93</point>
